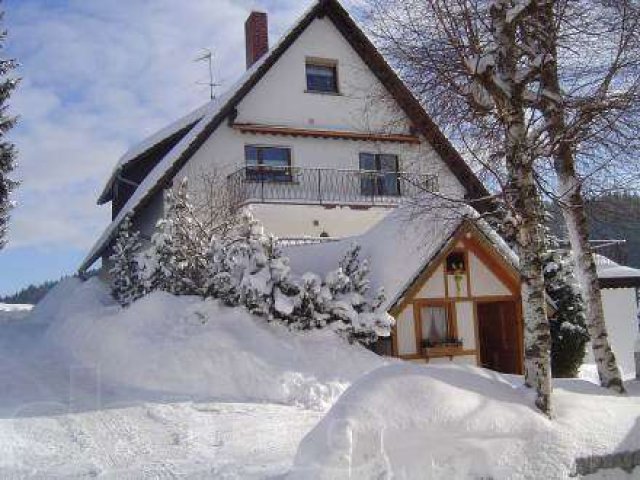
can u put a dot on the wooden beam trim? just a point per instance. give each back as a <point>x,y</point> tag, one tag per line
<point>335,134</point>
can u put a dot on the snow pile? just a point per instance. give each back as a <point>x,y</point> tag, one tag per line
<point>189,346</point>
<point>10,312</point>
<point>411,421</point>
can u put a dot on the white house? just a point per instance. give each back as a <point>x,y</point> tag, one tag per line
<point>320,136</point>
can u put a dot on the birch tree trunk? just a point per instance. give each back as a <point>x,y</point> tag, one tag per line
<point>572,207</point>
<point>524,200</point>
<point>531,246</point>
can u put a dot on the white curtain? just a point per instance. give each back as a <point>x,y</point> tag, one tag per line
<point>434,324</point>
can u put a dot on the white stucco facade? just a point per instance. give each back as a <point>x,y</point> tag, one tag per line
<point>279,98</point>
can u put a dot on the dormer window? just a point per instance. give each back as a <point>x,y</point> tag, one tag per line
<point>322,76</point>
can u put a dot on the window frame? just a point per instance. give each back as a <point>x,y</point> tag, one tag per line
<point>452,326</point>
<point>322,63</point>
<point>260,172</point>
<point>377,187</point>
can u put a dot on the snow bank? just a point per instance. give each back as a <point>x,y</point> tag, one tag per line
<point>187,346</point>
<point>10,312</point>
<point>411,421</point>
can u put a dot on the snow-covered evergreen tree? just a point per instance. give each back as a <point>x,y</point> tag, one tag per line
<point>361,316</point>
<point>7,149</point>
<point>258,274</point>
<point>181,247</point>
<point>567,326</point>
<point>569,334</point>
<point>127,284</point>
<point>312,310</point>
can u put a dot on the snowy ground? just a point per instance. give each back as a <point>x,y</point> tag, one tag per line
<point>58,419</point>
<point>184,388</point>
<point>105,395</point>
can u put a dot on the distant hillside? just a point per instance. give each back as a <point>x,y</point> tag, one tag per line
<point>31,294</point>
<point>34,293</point>
<point>611,217</point>
<point>618,217</point>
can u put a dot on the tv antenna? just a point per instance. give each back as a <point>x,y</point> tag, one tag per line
<point>207,56</point>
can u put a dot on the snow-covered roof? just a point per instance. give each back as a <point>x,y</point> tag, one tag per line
<point>400,246</point>
<point>218,110</point>
<point>608,269</point>
<point>148,143</point>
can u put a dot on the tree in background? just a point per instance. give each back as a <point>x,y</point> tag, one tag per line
<point>590,104</point>
<point>569,335</point>
<point>567,323</point>
<point>7,149</point>
<point>127,283</point>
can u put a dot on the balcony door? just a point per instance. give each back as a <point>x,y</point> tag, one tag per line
<point>379,175</point>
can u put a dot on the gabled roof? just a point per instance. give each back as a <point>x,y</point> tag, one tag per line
<point>401,246</point>
<point>216,112</point>
<point>171,133</point>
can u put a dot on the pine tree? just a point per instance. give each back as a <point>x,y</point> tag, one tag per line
<point>567,325</point>
<point>7,149</point>
<point>569,334</point>
<point>181,247</point>
<point>127,285</point>
<point>313,306</point>
<point>363,318</point>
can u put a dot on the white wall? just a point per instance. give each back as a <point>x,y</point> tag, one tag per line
<point>280,98</point>
<point>620,313</point>
<point>483,281</point>
<point>297,220</point>
<point>405,332</point>
<point>434,286</point>
<point>466,324</point>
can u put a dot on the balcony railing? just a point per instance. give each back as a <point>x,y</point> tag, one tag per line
<point>326,186</point>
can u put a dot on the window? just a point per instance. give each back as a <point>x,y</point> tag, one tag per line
<point>437,325</point>
<point>379,174</point>
<point>322,76</point>
<point>456,262</point>
<point>434,321</point>
<point>270,164</point>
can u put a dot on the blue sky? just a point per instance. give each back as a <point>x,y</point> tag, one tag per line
<point>98,76</point>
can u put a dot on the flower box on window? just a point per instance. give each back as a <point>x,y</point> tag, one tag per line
<point>446,347</point>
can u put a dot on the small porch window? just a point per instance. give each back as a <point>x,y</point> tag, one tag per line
<point>379,175</point>
<point>268,164</point>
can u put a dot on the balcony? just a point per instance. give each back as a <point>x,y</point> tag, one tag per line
<point>323,186</point>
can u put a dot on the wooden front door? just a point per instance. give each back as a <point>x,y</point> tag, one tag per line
<point>498,325</point>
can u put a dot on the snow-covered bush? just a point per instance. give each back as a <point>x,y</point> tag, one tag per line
<point>246,268</point>
<point>181,245</point>
<point>363,316</point>
<point>568,329</point>
<point>125,272</point>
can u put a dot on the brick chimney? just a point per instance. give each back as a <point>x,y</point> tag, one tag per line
<point>256,32</point>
